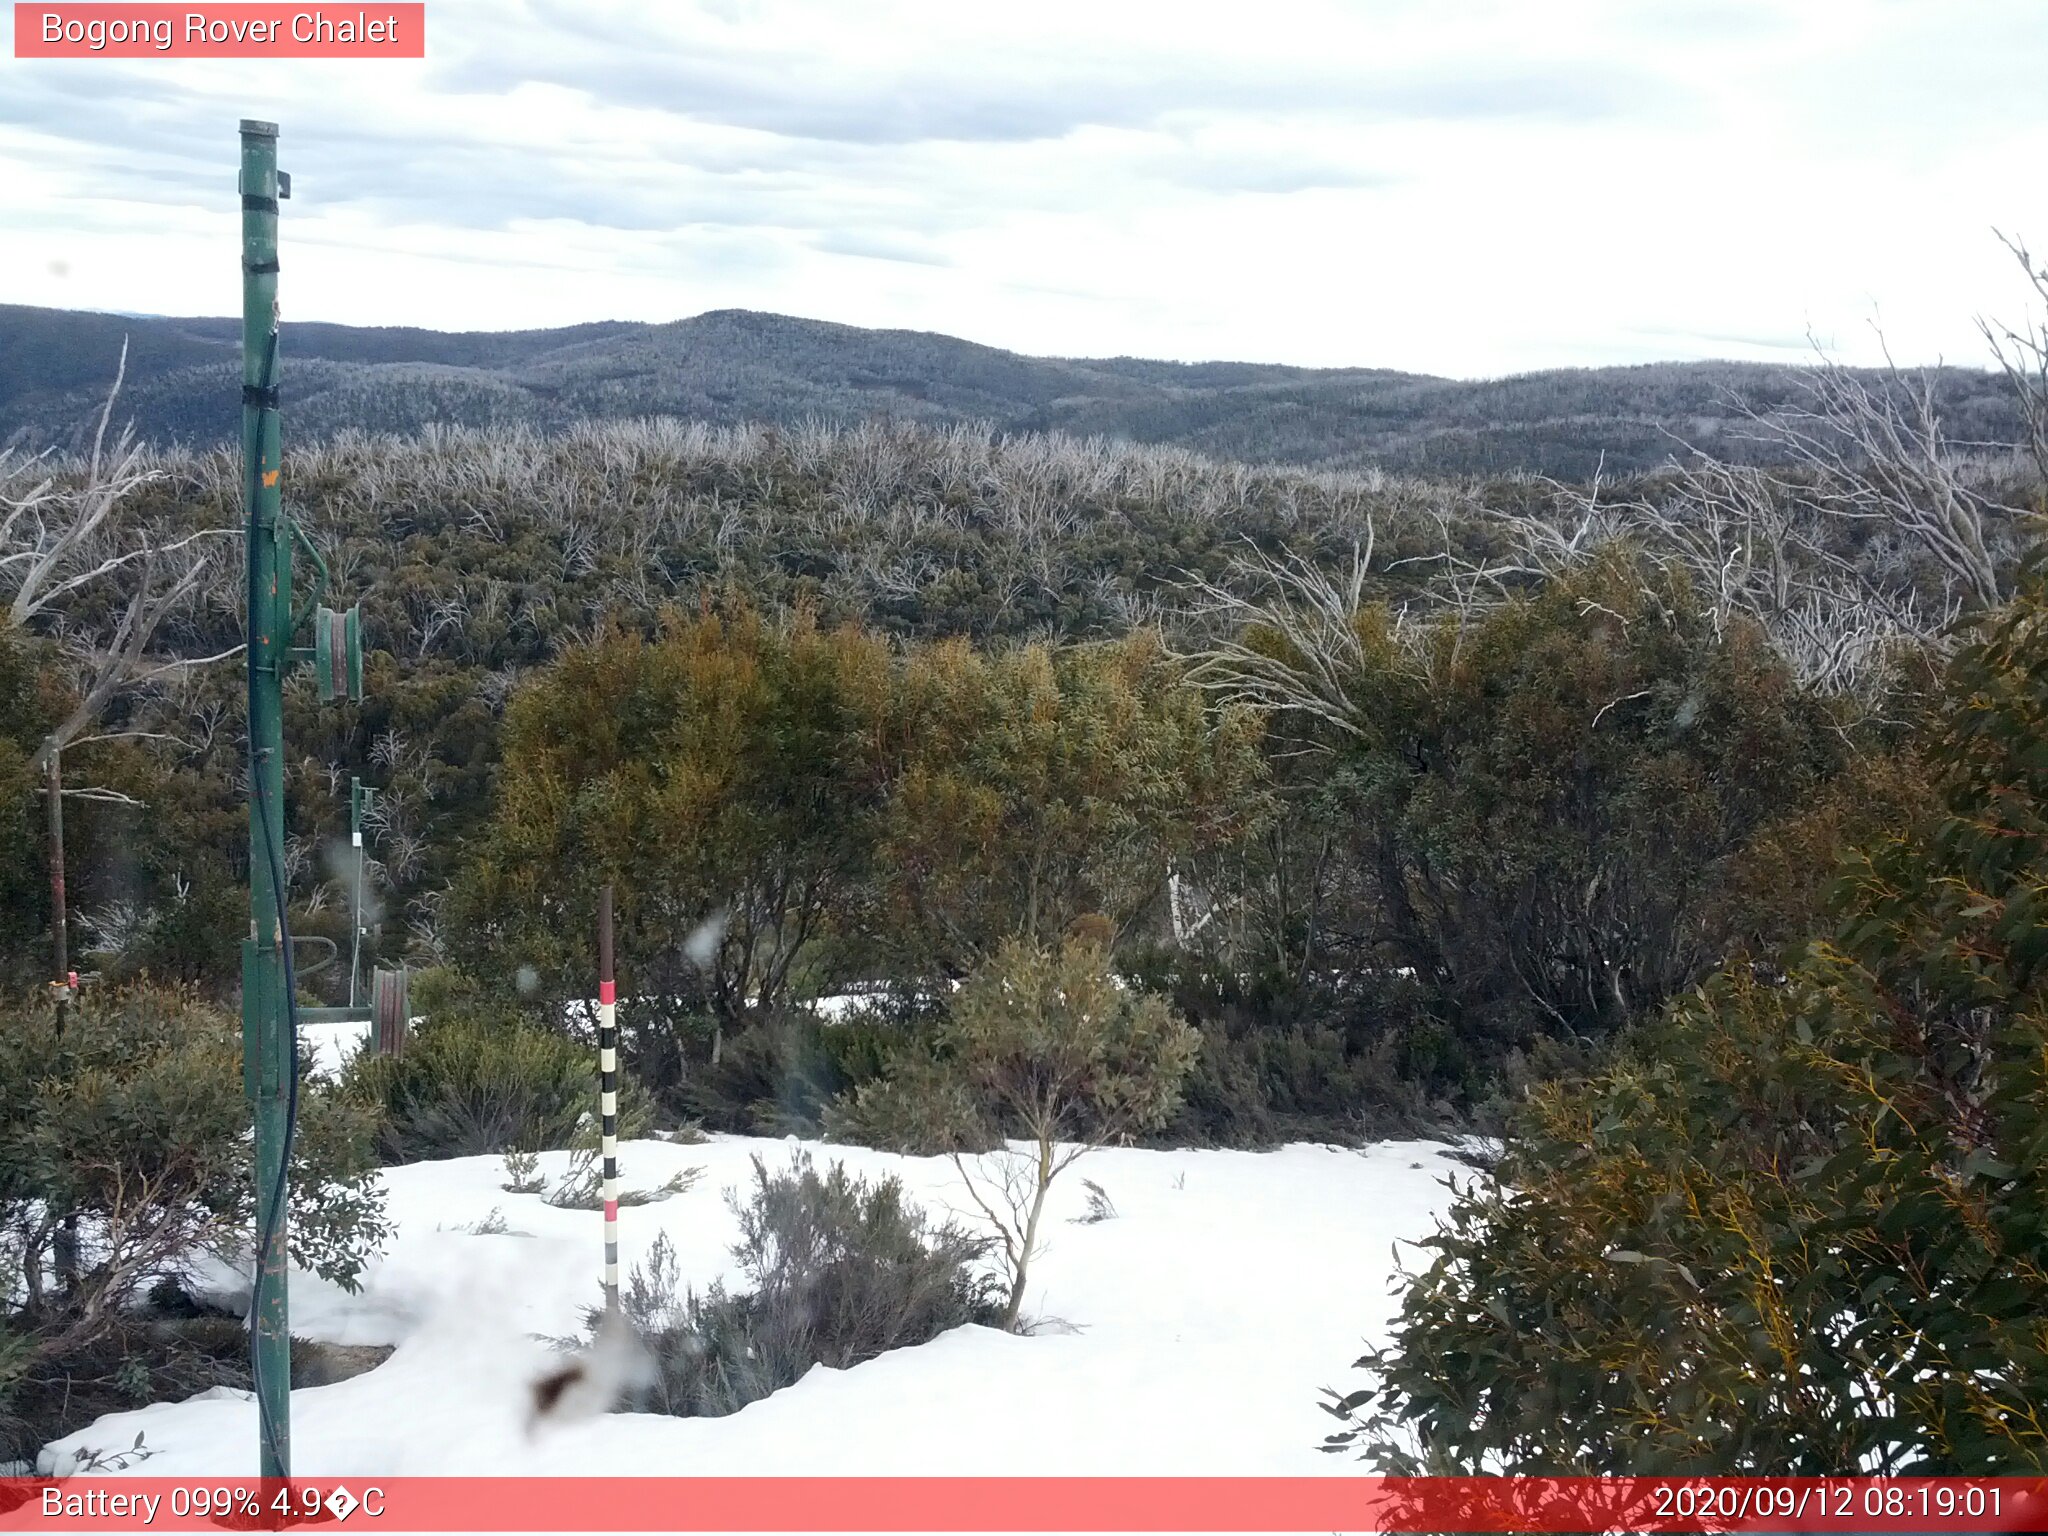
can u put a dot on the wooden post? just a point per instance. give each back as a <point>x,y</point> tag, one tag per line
<point>63,989</point>
<point>53,788</point>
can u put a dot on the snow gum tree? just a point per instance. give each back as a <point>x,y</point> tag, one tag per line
<point>1037,786</point>
<point>1043,1043</point>
<point>715,775</point>
<point>785,809</point>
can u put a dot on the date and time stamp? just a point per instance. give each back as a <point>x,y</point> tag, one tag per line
<point>1862,1504</point>
<point>1740,1502</point>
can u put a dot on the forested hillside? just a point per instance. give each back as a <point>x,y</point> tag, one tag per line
<point>859,571</point>
<point>735,366</point>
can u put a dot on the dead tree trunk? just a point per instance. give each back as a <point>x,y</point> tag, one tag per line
<point>66,1245</point>
<point>53,794</point>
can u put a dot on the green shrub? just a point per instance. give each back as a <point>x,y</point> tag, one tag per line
<point>1285,1057</point>
<point>1541,819</point>
<point>1223,1102</point>
<point>837,1271</point>
<point>480,1077</point>
<point>716,775</point>
<point>1801,1225</point>
<point>781,1075</point>
<point>1041,1041</point>
<point>1260,1087</point>
<point>133,1122</point>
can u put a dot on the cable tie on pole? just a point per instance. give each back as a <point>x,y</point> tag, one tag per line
<point>259,268</point>
<point>252,203</point>
<point>263,397</point>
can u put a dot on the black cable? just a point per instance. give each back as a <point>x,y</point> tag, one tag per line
<point>275,1206</point>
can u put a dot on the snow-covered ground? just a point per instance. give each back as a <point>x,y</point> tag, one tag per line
<point>1193,1330</point>
<point>327,1047</point>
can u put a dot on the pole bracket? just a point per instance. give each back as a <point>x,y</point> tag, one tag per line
<point>338,653</point>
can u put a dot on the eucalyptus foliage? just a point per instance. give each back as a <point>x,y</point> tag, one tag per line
<point>1802,1224</point>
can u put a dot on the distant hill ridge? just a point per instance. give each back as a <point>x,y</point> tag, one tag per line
<point>734,365</point>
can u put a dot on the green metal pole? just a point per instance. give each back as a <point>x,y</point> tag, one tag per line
<point>359,798</point>
<point>266,1043</point>
<point>355,942</point>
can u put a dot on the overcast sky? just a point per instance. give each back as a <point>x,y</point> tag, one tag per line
<point>1450,186</point>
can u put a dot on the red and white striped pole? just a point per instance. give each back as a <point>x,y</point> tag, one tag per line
<point>608,1095</point>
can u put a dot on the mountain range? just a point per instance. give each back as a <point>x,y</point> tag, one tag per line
<point>727,366</point>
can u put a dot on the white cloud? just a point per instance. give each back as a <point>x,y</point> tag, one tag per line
<point>1472,188</point>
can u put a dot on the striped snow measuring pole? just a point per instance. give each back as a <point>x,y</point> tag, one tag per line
<point>608,1094</point>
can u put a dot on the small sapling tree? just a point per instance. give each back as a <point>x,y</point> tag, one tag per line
<point>1042,1043</point>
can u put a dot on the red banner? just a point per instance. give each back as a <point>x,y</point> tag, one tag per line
<point>1063,1504</point>
<point>215,31</point>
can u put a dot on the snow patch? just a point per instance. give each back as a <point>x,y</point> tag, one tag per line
<point>1204,1318</point>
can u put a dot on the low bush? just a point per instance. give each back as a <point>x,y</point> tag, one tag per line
<point>1260,1087</point>
<point>779,1077</point>
<point>479,1077</point>
<point>836,1270</point>
<point>1282,1059</point>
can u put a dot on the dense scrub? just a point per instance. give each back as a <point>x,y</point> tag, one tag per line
<point>1489,834</point>
<point>786,812</point>
<point>1798,1224</point>
<point>847,707</point>
<point>479,557</point>
<point>1539,822</point>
